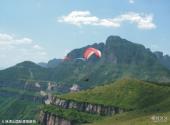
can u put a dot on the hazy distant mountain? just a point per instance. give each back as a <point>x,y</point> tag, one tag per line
<point>164,59</point>
<point>24,70</point>
<point>51,63</point>
<point>43,64</point>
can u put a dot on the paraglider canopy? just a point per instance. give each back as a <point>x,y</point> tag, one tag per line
<point>86,55</point>
<point>91,51</point>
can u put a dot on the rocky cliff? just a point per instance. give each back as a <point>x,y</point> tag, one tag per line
<point>51,119</point>
<point>163,59</point>
<point>86,107</point>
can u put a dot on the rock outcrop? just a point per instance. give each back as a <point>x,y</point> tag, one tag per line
<point>86,107</point>
<point>47,118</point>
<point>50,119</point>
<point>163,59</point>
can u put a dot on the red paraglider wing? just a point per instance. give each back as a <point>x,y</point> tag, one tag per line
<point>90,51</point>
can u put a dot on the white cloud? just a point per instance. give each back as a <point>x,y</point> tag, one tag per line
<point>6,39</point>
<point>14,50</point>
<point>131,1</point>
<point>79,17</point>
<point>143,21</point>
<point>23,41</point>
<point>37,47</point>
<point>84,17</point>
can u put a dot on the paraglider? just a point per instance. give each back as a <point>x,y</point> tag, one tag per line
<point>83,59</point>
<point>86,55</point>
<point>91,51</point>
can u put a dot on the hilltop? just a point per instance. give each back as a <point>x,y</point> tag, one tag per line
<point>141,100</point>
<point>125,93</point>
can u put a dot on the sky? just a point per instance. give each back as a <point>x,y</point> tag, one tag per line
<point>40,30</point>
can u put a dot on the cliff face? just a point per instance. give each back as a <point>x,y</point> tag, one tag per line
<point>47,118</point>
<point>86,107</point>
<point>50,119</point>
<point>163,59</point>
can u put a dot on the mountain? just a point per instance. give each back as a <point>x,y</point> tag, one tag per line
<point>43,64</point>
<point>120,59</point>
<point>51,63</point>
<point>20,95</point>
<point>163,59</point>
<point>136,98</point>
<point>24,70</point>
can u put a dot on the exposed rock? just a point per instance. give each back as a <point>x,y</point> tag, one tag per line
<point>47,118</point>
<point>86,107</point>
<point>50,119</point>
<point>75,88</point>
<point>163,59</point>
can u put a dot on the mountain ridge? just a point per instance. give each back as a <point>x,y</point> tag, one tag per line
<point>163,59</point>
<point>120,58</point>
<point>51,63</point>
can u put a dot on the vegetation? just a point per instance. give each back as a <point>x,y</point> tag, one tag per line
<point>18,91</point>
<point>15,108</point>
<point>146,100</point>
<point>125,93</point>
<point>25,70</point>
<point>135,118</point>
<point>18,104</point>
<point>71,114</point>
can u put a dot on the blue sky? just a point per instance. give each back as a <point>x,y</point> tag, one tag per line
<point>39,30</point>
